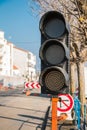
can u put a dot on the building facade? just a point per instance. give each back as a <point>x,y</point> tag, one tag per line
<point>5,65</point>
<point>15,61</point>
<point>25,61</point>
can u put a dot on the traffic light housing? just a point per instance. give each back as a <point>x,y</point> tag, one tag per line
<point>54,53</point>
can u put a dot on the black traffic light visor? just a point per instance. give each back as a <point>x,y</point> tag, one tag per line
<point>53,52</point>
<point>52,25</point>
<point>54,78</point>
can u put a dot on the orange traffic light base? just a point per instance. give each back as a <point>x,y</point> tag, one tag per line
<point>54,113</point>
<point>55,119</point>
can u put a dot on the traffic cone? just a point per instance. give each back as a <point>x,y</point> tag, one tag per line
<point>28,93</point>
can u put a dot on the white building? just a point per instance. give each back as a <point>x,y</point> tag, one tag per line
<point>5,56</point>
<point>31,64</point>
<point>15,61</point>
<point>25,61</point>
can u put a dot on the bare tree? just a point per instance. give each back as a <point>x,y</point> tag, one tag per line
<point>75,12</point>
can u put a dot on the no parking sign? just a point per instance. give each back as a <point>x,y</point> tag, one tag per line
<point>66,103</point>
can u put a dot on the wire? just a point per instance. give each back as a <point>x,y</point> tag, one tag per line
<point>35,42</point>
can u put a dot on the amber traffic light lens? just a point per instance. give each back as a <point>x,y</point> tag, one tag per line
<point>55,54</point>
<point>52,52</point>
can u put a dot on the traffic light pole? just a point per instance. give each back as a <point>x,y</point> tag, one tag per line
<point>54,55</point>
<point>55,119</point>
<point>54,113</point>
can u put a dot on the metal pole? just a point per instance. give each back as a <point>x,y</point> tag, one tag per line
<point>77,108</point>
<point>54,113</point>
<point>84,125</point>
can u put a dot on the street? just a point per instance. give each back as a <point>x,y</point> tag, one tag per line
<point>21,112</point>
<point>33,112</point>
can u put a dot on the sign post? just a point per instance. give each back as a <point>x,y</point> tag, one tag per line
<point>54,113</point>
<point>55,118</point>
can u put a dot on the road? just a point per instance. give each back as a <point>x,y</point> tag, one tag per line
<point>21,112</point>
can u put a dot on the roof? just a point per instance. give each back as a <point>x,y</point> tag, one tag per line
<point>21,49</point>
<point>9,43</point>
<point>15,67</point>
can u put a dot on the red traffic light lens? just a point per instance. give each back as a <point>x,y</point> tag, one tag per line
<point>54,28</point>
<point>53,24</point>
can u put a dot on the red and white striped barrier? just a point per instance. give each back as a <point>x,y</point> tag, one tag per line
<point>32,85</point>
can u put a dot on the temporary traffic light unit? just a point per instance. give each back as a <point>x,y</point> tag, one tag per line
<point>54,53</point>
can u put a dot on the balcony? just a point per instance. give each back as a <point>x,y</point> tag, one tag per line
<point>31,59</point>
<point>1,61</point>
<point>1,70</point>
<point>2,42</point>
<point>2,51</point>
<point>30,65</point>
<point>1,66</point>
<point>1,57</point>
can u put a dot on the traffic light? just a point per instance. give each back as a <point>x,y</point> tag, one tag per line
<point>54,53</point>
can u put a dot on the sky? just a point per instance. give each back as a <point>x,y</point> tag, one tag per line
<point>20,25</point>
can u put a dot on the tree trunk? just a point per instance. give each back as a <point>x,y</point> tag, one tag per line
<point>81,83</point>
<point>72,79</point>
